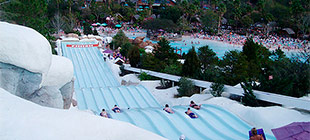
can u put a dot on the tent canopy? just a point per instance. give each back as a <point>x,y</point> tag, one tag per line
<point>295,130</point>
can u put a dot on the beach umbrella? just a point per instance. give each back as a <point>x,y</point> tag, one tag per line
<point>98,23</point>
<point>140,7</point>
<point>94,24</point>
<point>293,131</point>
<point>104,24</point>
<point>147,7</point>
<point>118,26</point>
<point>125,4</point>
<point>107,51</point>
<point>108,18</point>
<point>161,30</point>
<point>149,47</point>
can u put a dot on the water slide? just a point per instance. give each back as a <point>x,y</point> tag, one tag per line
<point>96,88</point>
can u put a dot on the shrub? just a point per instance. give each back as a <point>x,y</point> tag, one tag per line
<point>186,87</point>
<point>145,76</point>
<point>249,99</point>
<point>217,89</point>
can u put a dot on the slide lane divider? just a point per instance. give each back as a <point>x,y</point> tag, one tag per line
<point>124,89</point>
<point>98,98</point>
<point>138,97</point>
<point>83,64</point>
<point>164,124</point>
<point>95,102</point>
<point>108,98</point>
<point>147,97</point>
<point>80,65</point>
<point>116,102</point>
<point>119,97</point>
<point>207,125</point>
<point>100,72</point>
<point>186,120</point>
<point>94,79</point>
<point>77,72</point>
<point>104,99</point>
<point>144,98</point>
<point>225,123</point>
<point>233,116</point>
<point>151,122</point>
<point>221,126</point>
<point>150,94</point>
<point>123,97</point>
<point>101,64</point>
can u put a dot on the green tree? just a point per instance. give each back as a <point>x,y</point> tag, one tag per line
<point>209,21</point>
<point>119,40</point>
<point>134,56</point>
<point>125,49</point>
<point>257,57</point>
<point>28,13</point>
<point>172,13</point>
<point>217,89</point>
<point>192,64</point>
<point>207,57</point>
<point>249,99</point>
<point>164,52</point>
<point>87,30</point>
<point>157,24</point>
<point>221,11</point>
<point>234,67</point>
<point>186,87</point>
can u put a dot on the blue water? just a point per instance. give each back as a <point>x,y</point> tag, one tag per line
<point>186,44</point>
<point>219,48</point>
<point>96,88</point>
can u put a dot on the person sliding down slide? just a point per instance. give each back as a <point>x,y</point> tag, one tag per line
<point>167,109</point>
<point>194,105</point>
<point>104,113</point>
<point>116,109</point>
<point>191,114</point>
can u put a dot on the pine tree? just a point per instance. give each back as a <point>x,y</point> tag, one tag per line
<point>134,56</point>
<point>249,99</point>
<point>192,64</point>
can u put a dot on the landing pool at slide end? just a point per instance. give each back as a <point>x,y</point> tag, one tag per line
<point>96,88</point>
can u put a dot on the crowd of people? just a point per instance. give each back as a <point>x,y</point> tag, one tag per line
<point>271,41</point>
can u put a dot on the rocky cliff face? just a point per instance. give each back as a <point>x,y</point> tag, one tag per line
<point>29,70</point>
<point>26,84</point>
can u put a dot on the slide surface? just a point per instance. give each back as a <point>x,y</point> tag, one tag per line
<point>96,88</point>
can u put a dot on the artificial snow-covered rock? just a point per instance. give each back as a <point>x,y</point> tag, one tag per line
<point>48,96</point>
<point>23,120</point>
<point>19,81</point>
<point>60,72</point>
<point>130,79</point>
<point>67,93</point>
<point>24,47</point>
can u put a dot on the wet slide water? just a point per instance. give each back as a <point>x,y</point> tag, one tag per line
<point>96,88</point>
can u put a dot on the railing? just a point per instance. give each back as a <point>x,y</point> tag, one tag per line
<point>261,95</point>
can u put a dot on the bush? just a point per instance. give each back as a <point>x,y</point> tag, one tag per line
<point>186,87</point>
<point>217,89</point>
<point>249,99</point>
<point>145,76</point>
